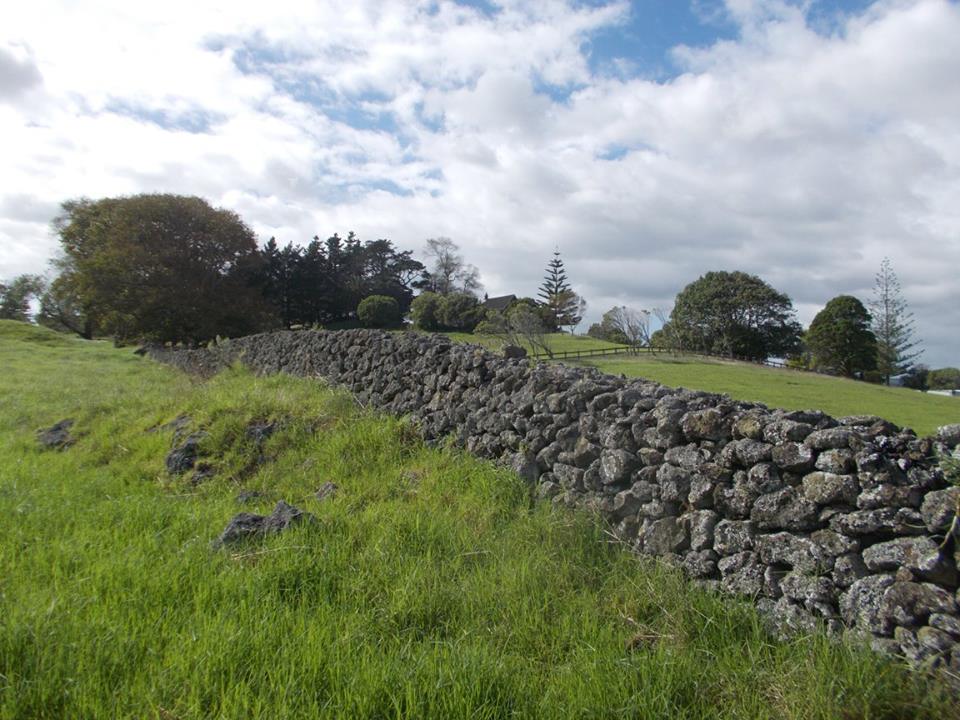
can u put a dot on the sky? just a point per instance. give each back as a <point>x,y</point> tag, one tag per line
<point>650,141</point>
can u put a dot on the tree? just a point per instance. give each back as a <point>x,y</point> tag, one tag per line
<point>521,326</point>
<point>840,339</point>
<point>735,314</point>
<point>624,325</point>
<point>562,305</point>
<point>947,378</point>
<point>425,311</point>
<point>448,272</point>
<point>378,311</point>
<point>892,325</point>
<point>460,312</point>
<point>161,267</point>
<point>15,296</point>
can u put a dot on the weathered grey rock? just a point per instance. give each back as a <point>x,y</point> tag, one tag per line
<point>748,426</point>
<point>702,527</point>
<point>247,526</point>
<point>514,351</point>
<point>920,555</point>
<point>826,488</point>
<point>833,543</point>
<point>847,569</point>
<point>807,588</point>
<point>836,461</point>
<point>625,504</point>
<point>793,457</point>
<point>889,521</point>
<point>708,424</point>
<point>617,466</point>
<point>750,452</point>
<point>700,564</point>
<point>785,619</point>
<point>949,435</point>
<point>934,642</point>
<point>862,605</point>
<point>939,507</point>
<point>666,535</point>
<point>183,458</point>
<point>887,495</point>
<point>526,466</point>
<point>789,550</point>
<point>674,483</point>
<point>910,604</point>
<point>949,624</point>
<point>830,439</point>
<point>784,430</point>
<point>569,477</point>
<point>57,436</point>
<point>742,574</point>
<point>548,489</point>
<point>784,509</point>
<point>732,536</point>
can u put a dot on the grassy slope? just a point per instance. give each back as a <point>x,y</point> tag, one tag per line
<point>559,342</point>
<point>429,588</point>
<point>790,389</point>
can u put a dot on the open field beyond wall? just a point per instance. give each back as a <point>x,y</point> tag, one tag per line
<point>429,587</point>
<point>790,389</point>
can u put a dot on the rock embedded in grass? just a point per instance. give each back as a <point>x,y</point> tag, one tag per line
<point>248,526</point>
<point>57,436</point>
<point>184,457</point>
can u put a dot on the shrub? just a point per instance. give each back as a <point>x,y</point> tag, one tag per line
<point>378,311</point>
<point>425,311</point>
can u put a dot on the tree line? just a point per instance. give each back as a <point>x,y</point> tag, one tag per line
<point>169,268</point>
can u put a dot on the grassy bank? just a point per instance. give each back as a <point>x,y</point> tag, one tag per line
<point>429,587</point>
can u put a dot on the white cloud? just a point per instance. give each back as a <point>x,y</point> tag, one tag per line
<point>800,153</point>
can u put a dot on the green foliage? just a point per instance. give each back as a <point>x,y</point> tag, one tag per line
<point>944,378</point>
<point>892,324</point>
<point>425,311</point>
<point>840,339</point>
<point>378,311</point>
<point>16,295</point>
<point>161,267</point>
<point>325,281</point>
<point>606,330</point>
<point>460,312</point>
<point>733,313</point>
<point>429,588</point>
<point>456,312</point>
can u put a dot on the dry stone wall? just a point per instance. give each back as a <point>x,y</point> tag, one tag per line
<point>821,521</point>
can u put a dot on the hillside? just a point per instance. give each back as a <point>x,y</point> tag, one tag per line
<point>427,587</point>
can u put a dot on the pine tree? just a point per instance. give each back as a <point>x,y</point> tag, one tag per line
<point>560,303</point>
<point>892,325</point>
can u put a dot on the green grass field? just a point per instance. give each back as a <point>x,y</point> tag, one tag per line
<point>789,389</point>
<point>429,588</point>
<point>559,342</point>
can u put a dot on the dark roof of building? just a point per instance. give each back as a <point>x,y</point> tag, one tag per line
<point>499,303</point>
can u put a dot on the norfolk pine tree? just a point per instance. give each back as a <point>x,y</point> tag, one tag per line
<point>892,325</point>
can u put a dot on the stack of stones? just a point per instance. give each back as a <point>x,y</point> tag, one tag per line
<point>822,521</point>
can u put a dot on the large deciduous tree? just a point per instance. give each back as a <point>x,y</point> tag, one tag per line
<point>892,325</point>
<point>622,324</point>
<point>735,314</point>
<point>840,339</point>
<point>161,267</point>
<point>448,273</point>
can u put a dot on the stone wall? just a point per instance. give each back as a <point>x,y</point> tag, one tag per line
<point>819,520</point>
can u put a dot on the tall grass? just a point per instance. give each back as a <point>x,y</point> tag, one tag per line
<point>430,585</point>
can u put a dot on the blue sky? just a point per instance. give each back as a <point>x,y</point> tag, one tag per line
<point>652,140</point>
